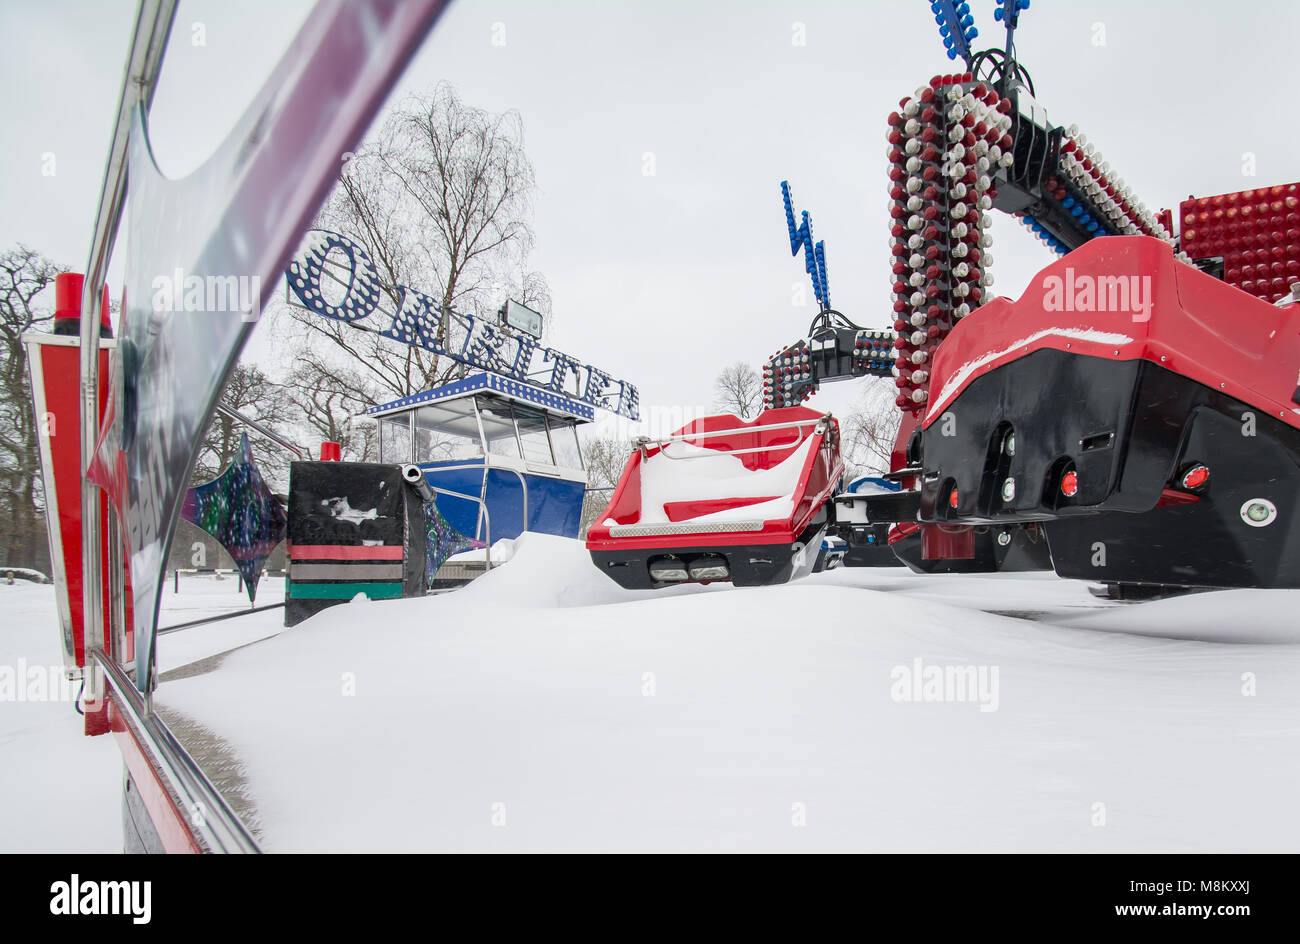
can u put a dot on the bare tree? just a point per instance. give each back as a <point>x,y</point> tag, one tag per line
<point>604,458</point>
<point>441,198</point>
<point>869,431</point>
<point>253,394</point>
<point>24,275</point>
<point>328,396</point>
<point>738,389</point>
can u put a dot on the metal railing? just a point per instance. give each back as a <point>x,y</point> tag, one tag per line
<point>642,443</point>
<point>483,509</point>
<point>260,429</point>
<point>482,499</point>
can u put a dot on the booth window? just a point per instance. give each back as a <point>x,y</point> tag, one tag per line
<point>446,432</point>
<point>395,438</point>
<point>564,441</point>
<point>533,436</point>
<point>499,427</point>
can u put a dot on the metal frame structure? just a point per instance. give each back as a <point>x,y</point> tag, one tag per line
<point>144,62</point>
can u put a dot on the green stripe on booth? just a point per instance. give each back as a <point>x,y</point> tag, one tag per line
<point>344,591</point>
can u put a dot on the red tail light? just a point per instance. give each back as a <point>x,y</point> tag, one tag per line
<point>1195,477</point>
<point>952,499</point>
<point>1070,484</point>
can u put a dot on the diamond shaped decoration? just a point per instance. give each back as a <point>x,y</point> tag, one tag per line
<point>239,511</point>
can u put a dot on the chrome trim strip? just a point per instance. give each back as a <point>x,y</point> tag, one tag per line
<point>153,25</point>
<point>210,814</point>
<point>652,530</point>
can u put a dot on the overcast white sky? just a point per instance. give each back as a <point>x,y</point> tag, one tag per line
<point>663,279</point>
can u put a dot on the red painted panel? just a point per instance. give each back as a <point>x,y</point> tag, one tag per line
<point>343,552</point>
<point>684,510</point>
<point>172,825</point>
<point>1170,496</point>
<point>943,543</point>
<point>1189,322</point>
<point>60,369</point>
<point>743,438</point>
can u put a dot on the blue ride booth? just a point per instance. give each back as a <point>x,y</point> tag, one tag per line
<point>503,456</point>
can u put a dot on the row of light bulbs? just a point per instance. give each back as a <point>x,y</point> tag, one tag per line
<point>945,144</point>
<point>1090,173</point>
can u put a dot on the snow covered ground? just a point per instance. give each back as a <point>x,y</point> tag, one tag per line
<point>59,790</point>
<point>543,707</point>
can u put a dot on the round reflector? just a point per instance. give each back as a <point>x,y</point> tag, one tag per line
<point>952,498</point>
<point>1196,476</point>
<point>1070,484</point>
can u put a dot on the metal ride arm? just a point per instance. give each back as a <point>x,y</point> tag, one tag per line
<point>944,176</point>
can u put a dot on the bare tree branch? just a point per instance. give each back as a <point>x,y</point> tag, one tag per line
<point>868,433</point>
<point>441,197</point>
<point>738,389</point>
<point>24,275</point>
